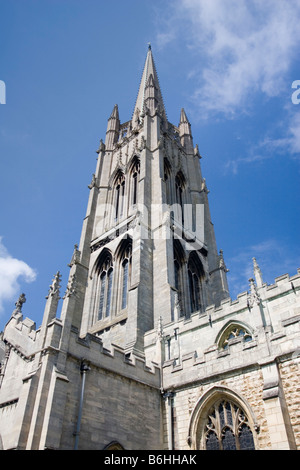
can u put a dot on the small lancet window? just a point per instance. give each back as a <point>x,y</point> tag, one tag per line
<point>179,273</point>
<point>134,184</point>
<point>167,180</point>
<point>125,274</point>
<point>195,275</point>
<point>104,289</point>
<point>119,196</point>
<point>179,186</point>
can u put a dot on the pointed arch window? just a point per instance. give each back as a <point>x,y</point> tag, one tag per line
<point>179,190</point>
<point>135,171</point>
<point>119,196</point>
<point>167,179</point>
<point>125,272</point>
<point>179,269</point>
<point>104,282</point>
<point>227,428</point>
<point>233,334</point>
<point>195,279</point>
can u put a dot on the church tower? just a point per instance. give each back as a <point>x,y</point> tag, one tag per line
<point>149,352</point>
<point>147,250</point>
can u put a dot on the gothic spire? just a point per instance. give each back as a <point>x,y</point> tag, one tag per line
<point>185,132</point>
<point>113,128</point>
<point>149,88</point>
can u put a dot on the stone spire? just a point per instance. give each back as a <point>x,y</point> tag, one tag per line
<point>185,133</point>
<point>257,273</point>
<point>149,94</point>
<point>113,128</point>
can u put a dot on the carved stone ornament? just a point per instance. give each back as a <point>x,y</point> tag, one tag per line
<point>19,304</point>
<point>253,297</point>
<point>54,288</point>
<point>71,287</point>
<point>75,257</point>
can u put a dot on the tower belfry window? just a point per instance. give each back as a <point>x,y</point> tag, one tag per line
<point>134,181</point>
<point>179,187</point>
<point>119,196</point>
<point>125,274</point>
<point>195,275</point>
<point>103,290</point>
<point>179,274</point>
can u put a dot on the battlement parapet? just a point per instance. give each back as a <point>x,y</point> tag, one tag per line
<point>114,359</point>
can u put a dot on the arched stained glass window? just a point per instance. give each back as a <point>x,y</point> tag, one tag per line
<point>135,170</point>
<point>179,188</point>
<point>119,195</point>
<point>235,332</point>
<point>125,272</point>
<point>109,291</point>
<point>167,179</point>
<point>103,292</point>
<point>195,276</point>
<point>227,428</point>
<point>125,283</point>
<point>179,267</point>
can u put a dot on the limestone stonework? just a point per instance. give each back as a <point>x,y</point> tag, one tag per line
<point>149,351</point>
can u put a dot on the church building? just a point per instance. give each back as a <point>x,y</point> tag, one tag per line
<point>148,350</point>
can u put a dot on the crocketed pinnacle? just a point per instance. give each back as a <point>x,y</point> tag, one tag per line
<point>149,79</point>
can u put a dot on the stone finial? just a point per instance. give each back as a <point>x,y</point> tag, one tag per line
<point>71,287</point>
<point>75,257</point>
<point>93,182</point>
<point>160,332</point>
<point>54,288</point>
<point>257,273</point>
<point>253,297</point>
<point>19,304</point>
<point>101,147</point>
<point>222,262</point>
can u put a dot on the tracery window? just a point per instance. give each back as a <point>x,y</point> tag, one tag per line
<point>135,170</point>
<point>125,273</point>
<point>227,428</point>
<point>195,276</point>
<point>119,196</point>
<point>103,294</point>
<point>179,267</point>
<point>236,332</point>
<point>167,179</point>
<point>179,190</point>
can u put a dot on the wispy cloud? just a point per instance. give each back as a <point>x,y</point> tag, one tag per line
<point>271,146</point>
<point>290,142</point>
<point>241,48</point>
<point>12,270</point>
<point>273,258</point>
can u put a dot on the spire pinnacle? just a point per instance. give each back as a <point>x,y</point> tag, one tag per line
<point>149,79</point>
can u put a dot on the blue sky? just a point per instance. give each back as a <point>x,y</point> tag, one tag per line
<point>65,63</point>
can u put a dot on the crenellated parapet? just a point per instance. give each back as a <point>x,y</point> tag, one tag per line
<point>258,326</point>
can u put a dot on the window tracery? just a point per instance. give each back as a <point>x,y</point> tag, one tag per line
<point>119,196</point>
<point>195,275</point>
<point>135,171</point>
<point>179,267</point>
<point>126,261</point>
<point>227,428</point>
<point>235,332</point>
<point>103,294</point>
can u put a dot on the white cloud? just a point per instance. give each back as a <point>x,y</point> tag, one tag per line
<point>272,256</point>
<point>11,271</point>
<point>242,47</point>
<point>291,141</point>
